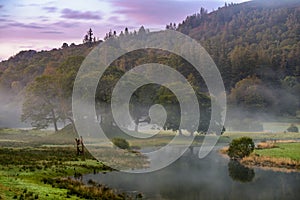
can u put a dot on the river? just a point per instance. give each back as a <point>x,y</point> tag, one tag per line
<point>214,177</point>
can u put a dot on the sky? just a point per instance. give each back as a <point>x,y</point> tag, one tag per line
<point>47,24</point>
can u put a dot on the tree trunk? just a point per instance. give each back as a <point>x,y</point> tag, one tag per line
<point>136,122</point>
<point>192,134</point>
<point>180,132</point>
<point>54,120</point>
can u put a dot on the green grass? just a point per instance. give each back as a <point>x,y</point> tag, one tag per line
<point>9,131</point>
<point>284,150</point>
<point>12,186</point>
<point>22,171</point>
<point>40,172</point>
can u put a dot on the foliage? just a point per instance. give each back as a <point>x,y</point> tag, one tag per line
<point>41,103</point>
<point>48,97</point>
<point>253,39</point>
<point>293,128</point>
<point>240,148</point>
<point>121,143</point>
<point>252,94</point>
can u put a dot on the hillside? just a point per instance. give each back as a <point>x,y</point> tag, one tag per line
<point>255,45</point>
<point>21,69</point>
<point>250,39</point>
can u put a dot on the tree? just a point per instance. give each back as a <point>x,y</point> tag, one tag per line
<point>140,103</point>
<point>41,104</point>
<point>293,129</point>
<point>65,45</point>
<point>126,31</point>
<point>240,148</point>
<point>48,98</point>
<point>142,30</point>
<point>251,94</point>
<point>169,101</point>
<point>88,38</point>
<point>90,34</point>
<point>65,78</point>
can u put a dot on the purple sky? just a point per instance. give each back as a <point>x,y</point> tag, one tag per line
<point>46,24</point>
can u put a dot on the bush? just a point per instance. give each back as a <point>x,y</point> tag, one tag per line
<point>240,148</point>
<point>121,143</point>
<point>293,129</point>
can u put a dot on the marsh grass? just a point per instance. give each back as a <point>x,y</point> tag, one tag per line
<point>284,155</point>
<point>266,145</point>
<point>23,169</point>
<point>271,162</point>
<point>91,191</point>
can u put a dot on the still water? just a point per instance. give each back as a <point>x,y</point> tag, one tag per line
<point>214,177</point>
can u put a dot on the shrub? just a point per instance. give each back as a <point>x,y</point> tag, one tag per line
<point>121,143</point>
<point>293,129</point>
<point>240,148</point>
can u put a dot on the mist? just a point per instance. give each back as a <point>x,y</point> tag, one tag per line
<point>11,111</point>
<point>209,178</point>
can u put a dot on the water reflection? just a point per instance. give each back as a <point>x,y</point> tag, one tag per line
<point>239,172</point>
<point>208,178</point>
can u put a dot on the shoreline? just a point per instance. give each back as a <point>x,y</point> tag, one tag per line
<point>271,163</point>
<point>266,163</point>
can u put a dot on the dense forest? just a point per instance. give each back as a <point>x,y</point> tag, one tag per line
<point>255,46</point>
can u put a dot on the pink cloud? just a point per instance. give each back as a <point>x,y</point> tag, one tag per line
<point>74,14</point>
<point>50,9</point>
<point>161,11</point>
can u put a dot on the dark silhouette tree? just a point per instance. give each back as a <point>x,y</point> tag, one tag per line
<point>126,31</point>
<point>88,38</point>
<point>90,34</point>
<point>65,45</point>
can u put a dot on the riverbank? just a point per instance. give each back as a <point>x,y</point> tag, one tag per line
<point>42,173</point>
<point>35,164</point>
<point>279,156</point>
<point>282,156</point>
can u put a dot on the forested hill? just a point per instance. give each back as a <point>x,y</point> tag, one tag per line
<point>23,68</point>
<point>251,38</point>
<point>255,45</point>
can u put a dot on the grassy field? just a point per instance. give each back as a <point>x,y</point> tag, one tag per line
<point>23,170</point>
<point>35,165</point>
<point>283,150</point>
<point>282,157</point>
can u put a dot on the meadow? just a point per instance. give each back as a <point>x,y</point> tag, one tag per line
<point>282,150</point>
<point>37,164</point>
